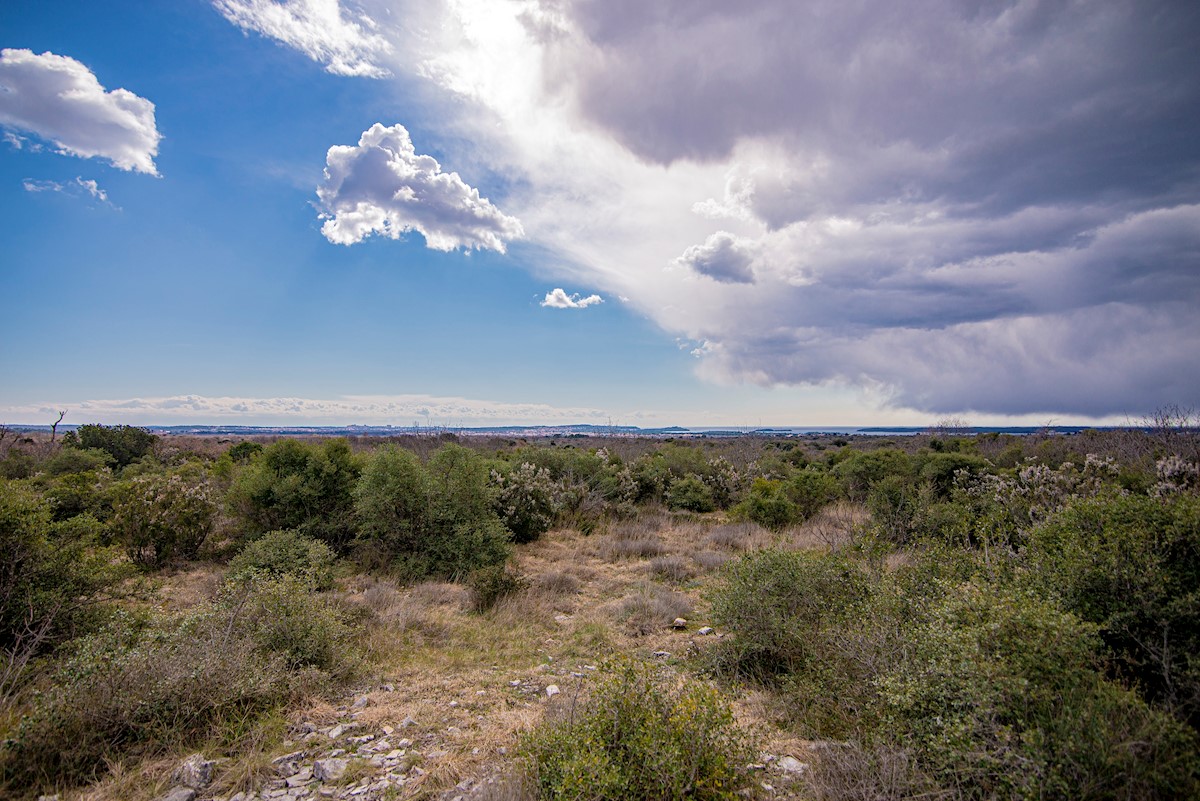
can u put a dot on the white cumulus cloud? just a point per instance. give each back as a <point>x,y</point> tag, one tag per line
<point>558,298</point>
<point>60,100</point>
<point>383,186</point>
<point>345,43</point>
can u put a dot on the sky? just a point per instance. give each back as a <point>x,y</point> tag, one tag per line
<point>681,212</point>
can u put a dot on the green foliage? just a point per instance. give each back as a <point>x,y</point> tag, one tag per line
<point>77,493</point>
<point>77,460</point>
<point>435,520</point>
<point>125,444</point>
<point>490,584</point>
<point>1001,696</point>
<point>981,687</point>
<point>159,518</point>
<point>244,451</point>
<point>1132,565</point>
<point>17,464</point>
<point>863,469</point>
<point>302,486</point>
<point>52,580</point>
<point>939,470</point>
<point>767,503</point>
<point>284,618</point>
<point>640,738</point>
<point>690,493</point>
<point>286,552</point>
<point>781,603</point>
<point>810,490</point>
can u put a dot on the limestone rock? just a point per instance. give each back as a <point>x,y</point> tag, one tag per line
<point>195,772</point>
<point>329,769</point>
<point>180,794</point>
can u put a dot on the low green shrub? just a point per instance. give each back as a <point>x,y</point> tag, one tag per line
<point>490,584</point>
<point>640,737</point>
<point>286,552</point>
<point>690,493</point>
<point>767,504</point>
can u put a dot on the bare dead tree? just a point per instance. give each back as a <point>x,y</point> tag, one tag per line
<point>54,428</point>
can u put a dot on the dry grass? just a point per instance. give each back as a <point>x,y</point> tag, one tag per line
<point>835,526</point>
<point>474,682</point>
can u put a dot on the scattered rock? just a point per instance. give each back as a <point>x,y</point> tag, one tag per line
<point>789,764</point>
<point>195,772</point>
<point>662,654</point>
<point>180,794</point>
<point>680,623</point>
<point>404,724</point>
<point>706,630</point>
<point>552,691</point>
<point>361,702</point>
<point>329,770</point>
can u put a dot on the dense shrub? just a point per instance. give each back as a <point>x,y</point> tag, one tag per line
<point>810,490</point>
<point>767,504</point>
<point>860,471</point>
<point>434,520</point>
<point>781,603</point>
<point>162,517</point>
<point>640,738</point>
<point>77,460</point>
<point>286,552</point>
<point>296,485</point>
<point>1002,698</point>
<point>125,444</point>
<point>690,493</point>
<point>1132,565</point>
<point>52,580</point>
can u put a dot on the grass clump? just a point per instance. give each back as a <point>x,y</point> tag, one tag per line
<point>640,736</point>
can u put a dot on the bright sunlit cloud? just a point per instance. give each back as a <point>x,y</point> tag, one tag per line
<point>61,101</point>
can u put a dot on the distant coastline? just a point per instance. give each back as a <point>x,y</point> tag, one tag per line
<point>584,430</point>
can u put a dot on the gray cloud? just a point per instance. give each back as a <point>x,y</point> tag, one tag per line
<point>60,100</point>
<point>723,257</point>
<point>382,186</point>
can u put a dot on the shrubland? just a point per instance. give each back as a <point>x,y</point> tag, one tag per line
<point>940,616</point>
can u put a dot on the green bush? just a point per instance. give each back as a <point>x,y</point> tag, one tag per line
<point>780,604</point>
<point>690,493</point>
<point>810,490</point>
<point>490,584</point>
<point>77,460</point>
<point>1132,566</point>
<point>286,552</point>
<point>125,444</point>
<point>53,580</point>
<point>159,518</point>
<point>640,738</point>
<point>1001,695</point>
<point>860,471</point>
<point>767,504</point>
<point>434,520</point>
<point>296,485</point>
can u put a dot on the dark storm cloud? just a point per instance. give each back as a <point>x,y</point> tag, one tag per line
<point>990,206</point>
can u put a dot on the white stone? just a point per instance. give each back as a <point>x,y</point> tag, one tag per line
<point>552,691</point>
<point>330,769</point>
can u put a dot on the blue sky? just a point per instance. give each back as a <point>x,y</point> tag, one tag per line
<point>766,217</point>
